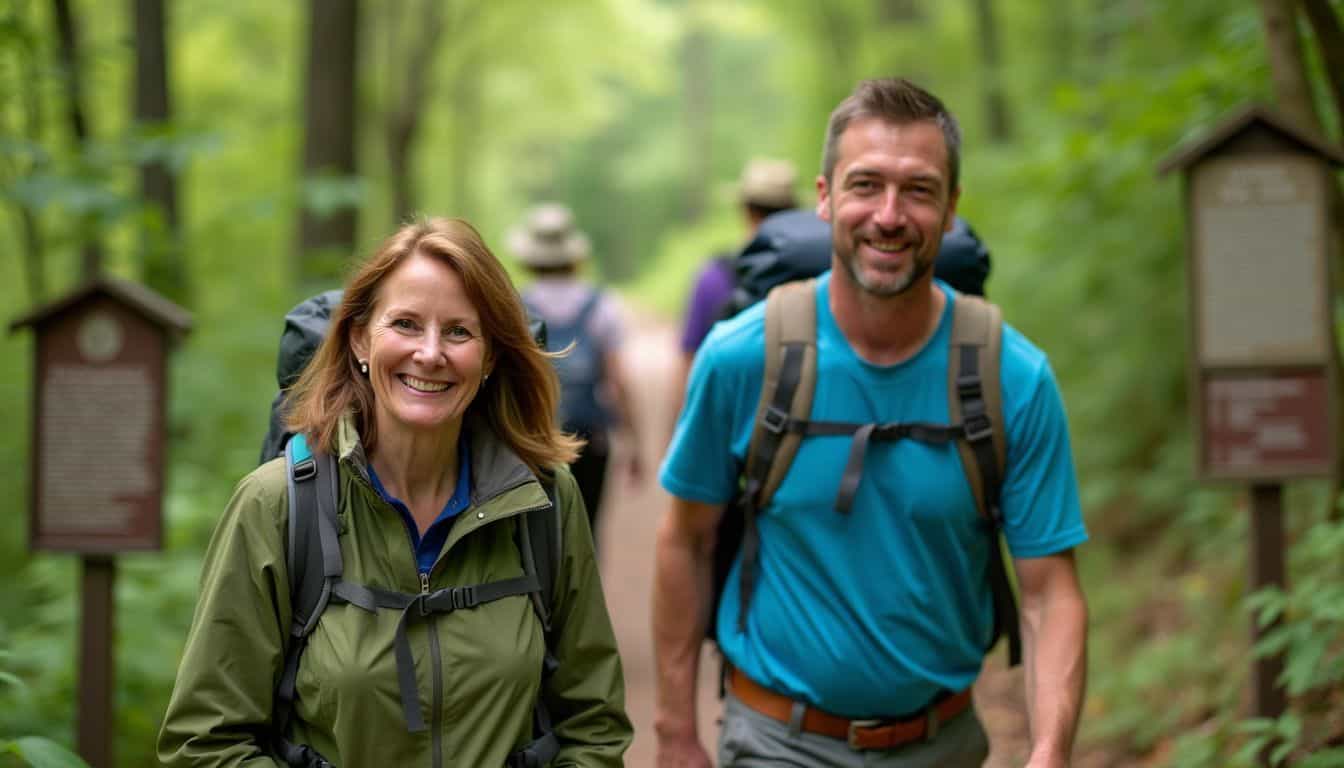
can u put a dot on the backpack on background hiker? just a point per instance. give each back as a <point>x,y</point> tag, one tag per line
<point>313,552</point>
<point>788,250</point>
<point>581,371</point>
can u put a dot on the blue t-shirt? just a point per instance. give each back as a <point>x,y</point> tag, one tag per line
<point>427,547</point>
<point>874,612</point>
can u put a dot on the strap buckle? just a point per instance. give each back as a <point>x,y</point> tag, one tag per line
<point>968,384</point>
<point>774,420</point>
<point>305,470</point>
<point>464,597</point>
<point>977,427</point>
<point>855,726</point>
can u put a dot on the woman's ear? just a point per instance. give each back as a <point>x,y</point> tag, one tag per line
<point>359,341</point>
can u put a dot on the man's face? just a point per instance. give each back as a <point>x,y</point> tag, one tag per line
<point>888,202</point>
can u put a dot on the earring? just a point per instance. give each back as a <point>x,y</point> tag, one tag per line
<point>364,367</point>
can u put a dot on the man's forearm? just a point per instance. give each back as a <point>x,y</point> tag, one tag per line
<point>682,583</point>
<point>1054,633</point>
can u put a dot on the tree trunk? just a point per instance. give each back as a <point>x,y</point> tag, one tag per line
<point>1330,44</point>
<point>30,97</point>
<point>1288,69</point>
<point>161,254</point>
<point>414,81</point>
<point>1060,28</point>
<point>991,72</point>
<point>91,253</point>
<point>327,237</point>
<point>698,100</point>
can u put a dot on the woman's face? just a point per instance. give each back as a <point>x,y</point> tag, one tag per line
<point>424,347</point>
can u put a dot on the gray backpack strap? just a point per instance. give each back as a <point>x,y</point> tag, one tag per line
<point>313,559</point>
<point>540,541</point>
<point>975,401</point>
<point>789,382</point>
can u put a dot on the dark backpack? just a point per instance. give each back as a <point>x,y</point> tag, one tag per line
<point>313,558</point>
<point>796,244</point>
<point>974,401</point>
<point>581,371</point>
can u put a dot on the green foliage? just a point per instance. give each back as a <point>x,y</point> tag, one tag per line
<point>38,752</point>
<point>587,102</point>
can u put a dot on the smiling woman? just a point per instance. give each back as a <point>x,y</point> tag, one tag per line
<point>440,408</point>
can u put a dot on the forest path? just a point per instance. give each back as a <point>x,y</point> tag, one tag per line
<point>629,521</point>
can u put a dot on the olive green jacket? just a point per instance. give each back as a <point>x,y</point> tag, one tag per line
<point>478,671</point>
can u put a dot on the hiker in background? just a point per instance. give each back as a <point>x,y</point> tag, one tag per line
<point>440,407</point>
<point>580,317</point>
<point>766,187</point>
<point>855,618</point>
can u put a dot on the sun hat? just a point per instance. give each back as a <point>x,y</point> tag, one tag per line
<point>768,183</point>
<point>548,237</point>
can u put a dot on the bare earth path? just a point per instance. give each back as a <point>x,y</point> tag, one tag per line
<point>630,517</point>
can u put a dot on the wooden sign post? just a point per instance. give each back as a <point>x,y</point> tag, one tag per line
<point>1263,370</point>
<point>96,464</point>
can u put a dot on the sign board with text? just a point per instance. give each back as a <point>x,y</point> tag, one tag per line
<point>1262,371</point>
<point>99,405</point>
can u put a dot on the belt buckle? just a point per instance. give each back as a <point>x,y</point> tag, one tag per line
<point>855,726</point>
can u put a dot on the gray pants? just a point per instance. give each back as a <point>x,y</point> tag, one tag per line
<point>752,740</point>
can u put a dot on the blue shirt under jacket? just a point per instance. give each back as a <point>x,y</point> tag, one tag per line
<point>872,613</point>
<point>427,547</point>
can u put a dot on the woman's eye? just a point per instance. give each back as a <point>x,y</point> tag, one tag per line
<point>402,324</point>
<point>459,333</point>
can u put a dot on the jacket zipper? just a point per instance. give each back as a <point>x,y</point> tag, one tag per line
<point>432,625</point>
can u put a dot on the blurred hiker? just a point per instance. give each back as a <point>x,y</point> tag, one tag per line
<point>420,495</point>
<point>861,442</point>
<point>584,319</point>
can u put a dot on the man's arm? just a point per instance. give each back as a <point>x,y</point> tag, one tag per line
<point>683,571</point>
<point>1054,636</point>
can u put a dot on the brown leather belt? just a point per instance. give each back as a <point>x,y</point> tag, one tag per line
<point>859,734</point>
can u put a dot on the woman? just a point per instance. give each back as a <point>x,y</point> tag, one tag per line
<point>440,407</point>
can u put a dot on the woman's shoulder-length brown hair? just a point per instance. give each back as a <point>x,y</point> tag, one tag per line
<point>517,402</point>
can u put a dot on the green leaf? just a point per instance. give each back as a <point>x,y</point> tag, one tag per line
<point>45,753</point>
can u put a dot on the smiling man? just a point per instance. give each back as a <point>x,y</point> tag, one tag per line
<point>855,625</point>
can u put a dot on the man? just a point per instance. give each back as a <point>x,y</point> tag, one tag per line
<point>580,317</point>
<point>879,616</point>
<point>766,187</point>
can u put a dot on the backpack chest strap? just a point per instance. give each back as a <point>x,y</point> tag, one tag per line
<point>418,607</point>
<point>863,434</point>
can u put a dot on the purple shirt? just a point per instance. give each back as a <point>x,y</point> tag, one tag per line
<point>713,287</point>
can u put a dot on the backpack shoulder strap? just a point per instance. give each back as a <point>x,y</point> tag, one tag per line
<point>790,379</point>
<point>541,543</point>
<point>789,383</point>
<point>313,550</point>
<point>975,401</point>
<point>313,559</point>
<point>589,306</point>
<point>974,396</point>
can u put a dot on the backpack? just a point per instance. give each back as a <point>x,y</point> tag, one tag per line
<point>313,558</point>
<point>796,244</point>
<point>581,371</point>
<point>974,405</point>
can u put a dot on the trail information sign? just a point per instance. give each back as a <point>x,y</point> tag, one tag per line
<point>98,419</point>
<point>1262,368</point>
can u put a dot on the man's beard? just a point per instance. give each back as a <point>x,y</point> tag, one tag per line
<point>919,266</point>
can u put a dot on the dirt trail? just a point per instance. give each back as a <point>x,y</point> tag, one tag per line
<point>630,518</point>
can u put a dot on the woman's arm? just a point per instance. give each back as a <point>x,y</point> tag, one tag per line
<point>220,710</point>
<point>586,694</point>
